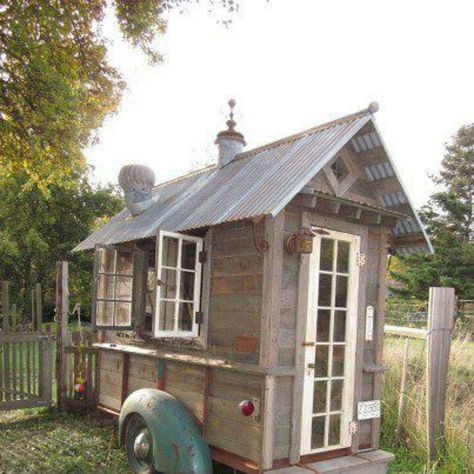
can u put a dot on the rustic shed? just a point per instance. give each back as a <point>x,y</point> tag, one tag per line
<point>260,279</point>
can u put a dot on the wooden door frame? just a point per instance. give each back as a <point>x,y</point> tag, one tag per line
<point>351,347</point>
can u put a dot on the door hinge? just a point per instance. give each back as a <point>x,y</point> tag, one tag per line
<point>199,318</point>
<point>353,427</point>
<point>202,256</point>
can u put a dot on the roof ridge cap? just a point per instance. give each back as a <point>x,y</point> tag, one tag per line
<point>184,176</point>
<point>309,131</point>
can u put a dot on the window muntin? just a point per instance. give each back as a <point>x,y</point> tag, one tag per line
<point>331,343</point>
<point>178,285</point>
<point>114,287</point>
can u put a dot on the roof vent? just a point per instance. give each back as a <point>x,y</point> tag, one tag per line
<point>137,182</point>
<point>230,141</point>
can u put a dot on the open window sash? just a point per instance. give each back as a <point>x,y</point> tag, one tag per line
<point>116,296</point>
<point>178,290</point>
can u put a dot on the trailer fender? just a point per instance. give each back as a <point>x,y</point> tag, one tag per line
<point>177,444</point>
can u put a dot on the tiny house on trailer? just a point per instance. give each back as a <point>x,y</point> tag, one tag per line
<point>240,308</point>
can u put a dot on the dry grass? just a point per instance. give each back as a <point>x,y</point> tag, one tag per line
<point>458,453</point>
<point>49,441</point>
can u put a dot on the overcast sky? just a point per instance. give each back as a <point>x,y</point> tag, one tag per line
<point>292,65</point>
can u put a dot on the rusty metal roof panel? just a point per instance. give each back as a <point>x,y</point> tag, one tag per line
<point>256,183</point>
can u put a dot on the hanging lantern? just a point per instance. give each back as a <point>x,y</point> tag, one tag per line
<point>301,241</point>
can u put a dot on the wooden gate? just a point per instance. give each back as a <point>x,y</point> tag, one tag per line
<point>25,357</point>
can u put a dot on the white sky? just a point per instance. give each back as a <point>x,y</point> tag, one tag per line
<point>292,65</point>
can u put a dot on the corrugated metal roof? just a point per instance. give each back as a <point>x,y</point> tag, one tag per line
<point>256,183</point>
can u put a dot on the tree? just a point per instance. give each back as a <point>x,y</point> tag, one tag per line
<point>56,90</point>
<point>449,219</point>
<point>56,85</point>
<point>44,229</point>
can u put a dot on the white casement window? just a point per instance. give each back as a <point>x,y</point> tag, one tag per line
<point>178,285</point>
<point>114,270</point>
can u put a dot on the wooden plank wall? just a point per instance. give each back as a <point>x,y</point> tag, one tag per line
<point>236,292</point>
<point>372,243</point>
<point>211,395</point>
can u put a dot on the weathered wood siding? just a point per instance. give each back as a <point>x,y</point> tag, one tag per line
<point>227,428</point>
<point>211,395</point>
<point>372,244</point>
<point>236,292</point>
<point>110,379</point>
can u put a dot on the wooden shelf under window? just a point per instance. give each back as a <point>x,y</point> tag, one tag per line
<point>207,361</point>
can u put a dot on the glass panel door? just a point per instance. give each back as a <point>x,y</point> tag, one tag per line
<point>332,317</point>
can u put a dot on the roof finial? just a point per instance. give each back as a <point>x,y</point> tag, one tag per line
<point>373,107</point>
<point>231,122</point>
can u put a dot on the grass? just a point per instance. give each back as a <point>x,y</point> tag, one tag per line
<point>49,441</point>
<point>410,447</point>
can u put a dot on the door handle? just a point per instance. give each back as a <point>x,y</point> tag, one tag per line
<point>308,344</point>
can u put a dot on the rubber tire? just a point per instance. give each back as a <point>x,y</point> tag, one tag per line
<point>134,425</point>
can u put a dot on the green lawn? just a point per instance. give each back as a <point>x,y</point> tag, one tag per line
<point>47,441</point>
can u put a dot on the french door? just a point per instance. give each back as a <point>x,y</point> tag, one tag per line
<point>330,342</point>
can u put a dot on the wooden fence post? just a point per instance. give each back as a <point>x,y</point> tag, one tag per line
<point>45,373</point>
<point>403,390</point>
<point>5,307</point>
<point>62,310</point>
<point>440,327</point>
<point>38,317</point>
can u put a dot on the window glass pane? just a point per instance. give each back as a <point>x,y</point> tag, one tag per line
<point>168,283</point>
<point>338,361</point>
<point>166,315</point>
<point>187,286</point>
<point>334,430</point>
<point>188,255</point>
<point>341,291</point>
<point>109,287</point>
<point>322,332</point>
<point>170,252</point>
<point>110,261</point>
<point>336,395</point>
<point>325,285</point>
<point>101,287</point>
<point>123,290</point>
<point>123,314</point>
<point>343,256</point>
<point>321,361</point>
<point>327,252</point>
<point>124,263</point>
<point>101,259</point>
<point>319,397</point>
<point>150,285</point>
<point>317,432</point>
<point>339,326</point>
<point>185,315</point>
<point>105,313</point>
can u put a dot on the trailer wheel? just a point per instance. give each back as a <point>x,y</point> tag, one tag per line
<point>139,445</point>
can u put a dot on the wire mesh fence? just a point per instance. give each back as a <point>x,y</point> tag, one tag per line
<point>414,314</point>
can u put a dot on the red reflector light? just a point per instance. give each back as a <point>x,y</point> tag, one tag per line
<point>246,407</point>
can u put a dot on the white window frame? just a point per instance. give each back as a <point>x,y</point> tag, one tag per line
<point>176,333</point>
<point>350,344</point>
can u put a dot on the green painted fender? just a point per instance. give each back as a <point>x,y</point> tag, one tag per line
<point>178,446</point>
